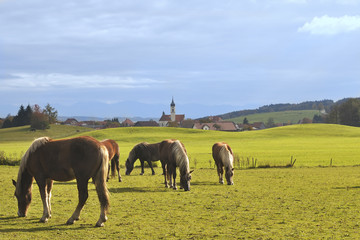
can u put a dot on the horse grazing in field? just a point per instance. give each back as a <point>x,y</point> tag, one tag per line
<point>47,160</point>
<point>173,154</point>
<point>223,156</point>
<point>114,155</point>
<point>144,152</point>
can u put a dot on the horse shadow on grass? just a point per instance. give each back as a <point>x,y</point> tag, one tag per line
<point>347,187</point>
<point>204,183</point>
<point>46,227</point>
<point>137,189</point>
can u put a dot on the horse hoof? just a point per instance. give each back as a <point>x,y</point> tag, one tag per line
<point>43,220</point>
<point>175,188</point>
<point>99,224</point>
<point>70,222</point>
<point>221,182</point>
<point>120,180</point>
<point>141,173</point>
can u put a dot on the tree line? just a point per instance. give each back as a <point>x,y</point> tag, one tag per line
<point>34,116</point>
<point>345,113</point>
<point>309,105</point>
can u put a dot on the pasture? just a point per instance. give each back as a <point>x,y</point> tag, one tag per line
<point>310,144</point>
<point>303,202</point>
<point>278,117</point>
<point>277,203</point>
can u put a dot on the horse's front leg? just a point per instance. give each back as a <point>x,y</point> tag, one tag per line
<point>82,186</point>
<point>142,167</point>
<point>49,184</point>
<point>220,173</point>
<point>165,170</point>
<point>44,198</point>
<point>174,177</point>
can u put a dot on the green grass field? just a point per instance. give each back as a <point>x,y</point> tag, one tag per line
<point>277,203</point>
<point>309,144</point>
<point>304,202</point>
<point>279,117</point>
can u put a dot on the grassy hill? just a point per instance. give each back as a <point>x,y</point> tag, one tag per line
<point>310,144</point>
<point>279,117</point>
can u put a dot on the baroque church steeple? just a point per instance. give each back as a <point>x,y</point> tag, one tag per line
<point>172,110</point>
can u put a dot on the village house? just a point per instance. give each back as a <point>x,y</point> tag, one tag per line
<point>71,121</point>
<point>127,123</point>
<point>219,126</point>
<point>150,123</point>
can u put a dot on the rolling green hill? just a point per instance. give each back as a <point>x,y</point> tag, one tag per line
<point>310,144</point>
<point>279,117</point>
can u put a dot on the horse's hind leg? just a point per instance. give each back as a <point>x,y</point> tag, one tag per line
<point>142,167</point>
<point>103,196</point>
<point>82,186</point>
<point>117,165</point>
<point>152,169</point>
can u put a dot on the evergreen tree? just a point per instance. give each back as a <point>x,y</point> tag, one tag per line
<point>245,121</point>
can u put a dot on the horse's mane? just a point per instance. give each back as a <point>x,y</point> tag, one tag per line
<point>227,158</point>
<point>35,145</point>
<point>182,161</point>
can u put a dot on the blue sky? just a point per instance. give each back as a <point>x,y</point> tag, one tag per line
<point>129,58</point>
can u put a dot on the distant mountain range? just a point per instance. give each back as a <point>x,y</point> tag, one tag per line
<point>86,118</point>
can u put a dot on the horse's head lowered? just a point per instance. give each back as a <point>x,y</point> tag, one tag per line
<point>129,164</point>
<point>185,181</point>
<point>24,199</point>
<point>229,175</point>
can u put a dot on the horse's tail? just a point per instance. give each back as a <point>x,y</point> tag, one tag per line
<point>100,179</point>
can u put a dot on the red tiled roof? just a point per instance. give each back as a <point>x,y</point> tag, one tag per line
<point>178,118</point>
<point>222,126</point>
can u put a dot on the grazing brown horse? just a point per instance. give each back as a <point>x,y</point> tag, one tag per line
<point>223,156</point>
<point>47,160</point>
<point>173,154</point>
<point>144,152</point>
<point>114,155</point>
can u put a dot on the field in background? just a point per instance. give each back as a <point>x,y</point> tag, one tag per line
<point>309,144</point>
<point>279,117</point>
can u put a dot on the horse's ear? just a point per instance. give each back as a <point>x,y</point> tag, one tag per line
<point>14,182</point>
<point>191,171</point>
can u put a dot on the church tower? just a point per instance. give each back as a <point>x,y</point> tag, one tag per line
<point>172,110</point>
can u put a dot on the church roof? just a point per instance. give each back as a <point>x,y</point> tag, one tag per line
<point>178,118</point>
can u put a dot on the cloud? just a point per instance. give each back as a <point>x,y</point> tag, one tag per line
<point>326,25</point>
<point>55,81</point>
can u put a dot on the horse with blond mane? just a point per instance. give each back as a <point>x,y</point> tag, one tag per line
<point>50,160</point>
<point>223,156</point>
<point>114,155</point>
<point>173,154</point>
